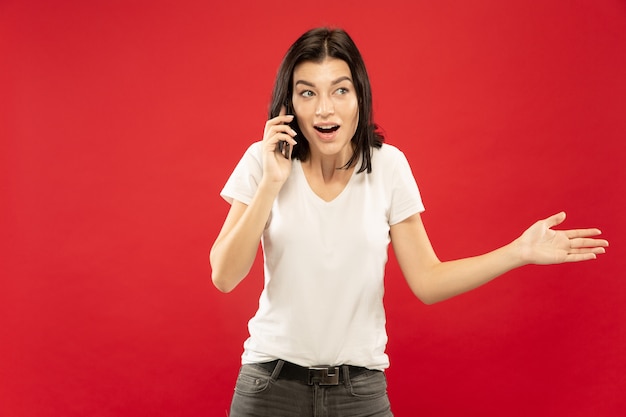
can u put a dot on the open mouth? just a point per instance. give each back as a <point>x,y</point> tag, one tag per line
<point>326,129</point>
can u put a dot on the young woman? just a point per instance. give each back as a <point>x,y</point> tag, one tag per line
<point>325,197</point>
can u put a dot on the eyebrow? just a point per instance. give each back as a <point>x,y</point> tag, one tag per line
<point>334,82</point>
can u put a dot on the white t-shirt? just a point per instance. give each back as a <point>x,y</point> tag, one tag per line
<point>322,302</point>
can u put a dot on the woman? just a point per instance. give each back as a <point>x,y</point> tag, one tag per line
<point>325,197</point>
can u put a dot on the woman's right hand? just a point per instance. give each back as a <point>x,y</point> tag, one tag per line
<point>237,244</point>
<point>277,166</point>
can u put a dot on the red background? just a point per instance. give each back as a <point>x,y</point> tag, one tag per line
<point>120,122</point>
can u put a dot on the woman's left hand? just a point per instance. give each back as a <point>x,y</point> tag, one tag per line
<point>541,245</point>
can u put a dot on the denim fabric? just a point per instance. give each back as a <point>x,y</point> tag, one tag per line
<point>259,393</point>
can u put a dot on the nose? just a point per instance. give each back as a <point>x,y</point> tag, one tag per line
<point>325,107</point>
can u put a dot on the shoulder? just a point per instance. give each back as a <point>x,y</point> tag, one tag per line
<point>391,163</point>
<point>253,156</point>
<point>251,162</point>
<point>386,155</point>
<point>255,150</point>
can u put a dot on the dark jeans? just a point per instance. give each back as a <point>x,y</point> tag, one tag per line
<point>261,393</point>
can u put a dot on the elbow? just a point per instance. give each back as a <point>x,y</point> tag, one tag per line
<point>224,280</point>
<point>219,277</point>
<point>427,295</point>
<point>221,280</point>
<point>433,297</point>
<point>227,274</point>
<point>426,285</point>
<point>427,299</point>
<point>221,284</point>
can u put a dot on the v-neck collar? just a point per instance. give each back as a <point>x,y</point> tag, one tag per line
<point>298,165</point>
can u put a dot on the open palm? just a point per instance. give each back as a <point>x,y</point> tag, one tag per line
<point>540,244</point>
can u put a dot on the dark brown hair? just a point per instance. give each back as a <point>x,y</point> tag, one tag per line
<point>316,45</point>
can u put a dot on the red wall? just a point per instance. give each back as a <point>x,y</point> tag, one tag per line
<point>120,122</point>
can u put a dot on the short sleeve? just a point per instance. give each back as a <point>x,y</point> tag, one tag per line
<point>244,181</point>
<point>405,195</point>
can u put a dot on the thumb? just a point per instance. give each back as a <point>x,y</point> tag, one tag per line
<point>556,219</point>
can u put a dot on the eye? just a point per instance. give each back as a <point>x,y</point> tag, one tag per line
<point>342,91</point>
<point>306,93</point>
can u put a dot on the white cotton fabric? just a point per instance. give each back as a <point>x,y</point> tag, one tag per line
<point>322,302</point>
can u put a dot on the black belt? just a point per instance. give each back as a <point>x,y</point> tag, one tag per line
<point>323,375</point>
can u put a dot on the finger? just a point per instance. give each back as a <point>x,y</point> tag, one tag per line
<point>283,115</point>
<point>282,144</point>
<point>282,137</point>
<point>581,233</point>
<point>272,130</point>
<point>281,130</point>
<point>555,219</point>
<point>596,250</point>
<point>280,119</point>
<point>578,257</point>
<point>588,243</point>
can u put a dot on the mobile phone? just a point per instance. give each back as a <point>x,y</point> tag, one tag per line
<point>284,146</point>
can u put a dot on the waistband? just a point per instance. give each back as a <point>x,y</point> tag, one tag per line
<point>323,375</point>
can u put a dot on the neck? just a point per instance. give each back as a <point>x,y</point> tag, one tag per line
<point>330,167</point>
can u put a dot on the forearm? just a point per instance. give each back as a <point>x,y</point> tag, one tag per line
<point>444,280</point>
<point>432,280</point>
<point>235,249</point>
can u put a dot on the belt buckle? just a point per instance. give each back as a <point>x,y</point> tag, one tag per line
<point>324,375</point>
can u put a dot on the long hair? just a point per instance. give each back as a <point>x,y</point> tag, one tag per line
<point>316,45</point>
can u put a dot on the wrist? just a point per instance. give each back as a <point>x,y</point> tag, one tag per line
<point>269,187</point>
<point>517,253</point>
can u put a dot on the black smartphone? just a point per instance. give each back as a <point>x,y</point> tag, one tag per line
<point>284,146</point>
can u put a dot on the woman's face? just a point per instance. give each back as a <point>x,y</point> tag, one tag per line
<point>326,106</point>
